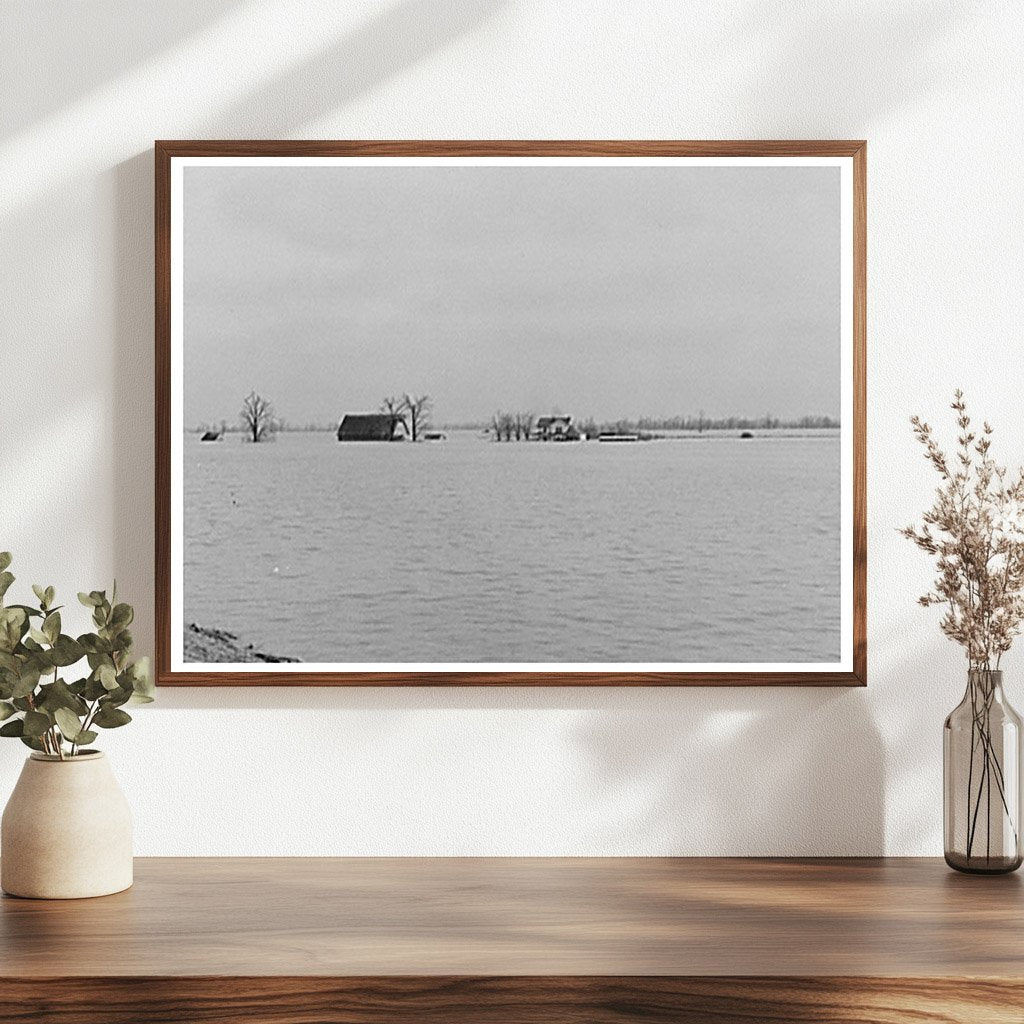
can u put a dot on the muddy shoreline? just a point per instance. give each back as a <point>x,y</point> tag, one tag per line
<point>203,644</point>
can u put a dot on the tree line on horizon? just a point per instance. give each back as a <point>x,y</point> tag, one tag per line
<point>518,426</point>
<point>258,421</point>
<point>702,422</point>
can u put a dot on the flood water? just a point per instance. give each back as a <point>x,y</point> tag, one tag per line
<point>711,549</point>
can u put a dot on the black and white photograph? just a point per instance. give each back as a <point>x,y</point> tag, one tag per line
<point>511,414</point>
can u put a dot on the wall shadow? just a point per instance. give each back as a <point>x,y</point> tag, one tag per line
<point>739,772</point>
<point>132,413</point>
<point>691,771</point>
<point>392,41</point>
<point>825,67</point>
<point>53,37</point>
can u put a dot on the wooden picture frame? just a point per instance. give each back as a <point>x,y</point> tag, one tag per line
<point>849,156</point>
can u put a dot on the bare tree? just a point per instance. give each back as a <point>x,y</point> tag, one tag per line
<point>524,425</point>
<point>395,408</point>
<point>419,410</point>
<point>257,416</point>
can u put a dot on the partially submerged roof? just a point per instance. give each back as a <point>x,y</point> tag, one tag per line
<point>547,421</point>
<point>370,426</point>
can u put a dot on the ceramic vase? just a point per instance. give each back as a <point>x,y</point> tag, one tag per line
<point>66,831</point>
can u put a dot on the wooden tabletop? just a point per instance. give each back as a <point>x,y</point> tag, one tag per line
<point>511,917</point>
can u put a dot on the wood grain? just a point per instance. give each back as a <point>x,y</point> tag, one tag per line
<point>510,147</point>
<point>575,941</point>
<point>528,916</point>
<point>537,1000</point>
<point>165,150</point>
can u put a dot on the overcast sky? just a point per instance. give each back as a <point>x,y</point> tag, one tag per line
<point>599,291</point>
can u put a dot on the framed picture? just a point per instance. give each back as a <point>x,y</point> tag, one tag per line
<point>491,413</point>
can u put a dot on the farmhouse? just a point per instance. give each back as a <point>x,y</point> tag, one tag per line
<point>554,428</point>
<point>557,428</point>
<point>371,426</point>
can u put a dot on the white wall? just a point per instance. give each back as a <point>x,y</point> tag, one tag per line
<point>936,88</point>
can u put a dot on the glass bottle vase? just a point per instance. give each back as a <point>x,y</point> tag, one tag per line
<point>981,770</point>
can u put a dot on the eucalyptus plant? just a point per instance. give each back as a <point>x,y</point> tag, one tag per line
<point>37,704</point>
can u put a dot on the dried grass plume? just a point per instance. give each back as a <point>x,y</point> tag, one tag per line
<point>975,532</point>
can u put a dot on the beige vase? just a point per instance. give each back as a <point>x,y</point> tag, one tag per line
<point>66,831</point>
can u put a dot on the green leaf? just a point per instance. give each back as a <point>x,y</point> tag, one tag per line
<point>6,579</point>
<point>89,600</point>
<point>86,736</point>
<point>122,616</point>
<point>67,651</point>
<point>40,593</point>
<point>5,560</point>
<point>108,718</point>
<point>28,680</point>
<point>94,645</point>
<point>31,741</point>
<point>94,689</point>
<point>36,723</point>
<point>28,610</point>
<point>16,727</point>
<point>107,676</point>
<point>12,627</point>
<point>59,695</point>
<point>69,723</point>
<point>50,595</point>
<point>38,635</point>
<point>142,682</point>
<point>51,626</point>
<point>115,698</point>
<point>6,710</point>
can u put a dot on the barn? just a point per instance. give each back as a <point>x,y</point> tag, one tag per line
<point>371,426</point>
